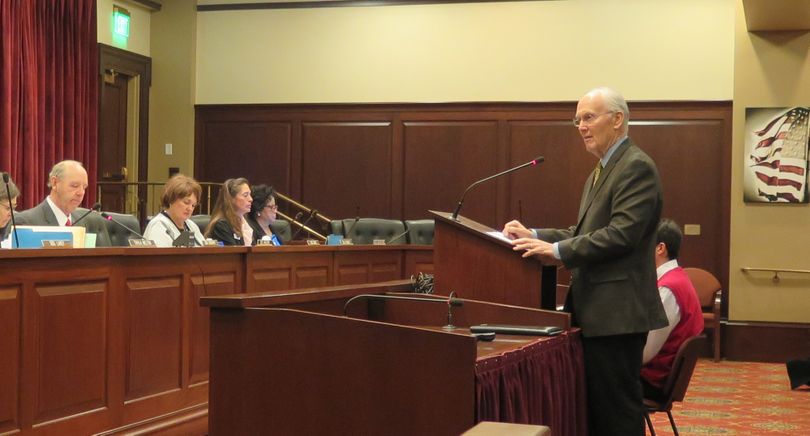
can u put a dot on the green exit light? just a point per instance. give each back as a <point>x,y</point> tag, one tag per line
<point>120,21</point>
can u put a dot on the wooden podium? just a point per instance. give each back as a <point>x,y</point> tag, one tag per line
<point>281,366</point>
<point>476,265</point>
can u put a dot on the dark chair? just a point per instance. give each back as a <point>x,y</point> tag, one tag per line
<point>366,230</point>
<point>120,234</point>
<point>336,227</point>
<point>677,381</point>
<point>201,221</point>
<point>710,297</point>
<point>282,230</point>
<point>420,232</point>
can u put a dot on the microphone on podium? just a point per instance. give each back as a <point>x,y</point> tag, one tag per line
<point>534,161</point>
<point>96,208</point>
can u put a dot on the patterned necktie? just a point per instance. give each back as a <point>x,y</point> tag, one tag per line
<point>67,223</point>
<point>596,173</point>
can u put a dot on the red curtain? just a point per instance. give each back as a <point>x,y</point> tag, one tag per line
<point>48,91</point>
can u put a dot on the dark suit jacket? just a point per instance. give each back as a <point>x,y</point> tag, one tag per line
<point>42,215</point>
<point>222,231</point>
<point>610,250</point>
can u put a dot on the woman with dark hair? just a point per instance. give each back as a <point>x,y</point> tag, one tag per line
<point>7,204</point>
<point>228,223</point>
<point>180,196</point>
<point>263,213</point>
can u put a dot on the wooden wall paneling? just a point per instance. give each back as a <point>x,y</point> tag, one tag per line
<point>10,323</point>
<point>267,271</point>
<point>68,320</point>
<point>355,267</point>
<point>257,150</point>
<point>154,325</point>
<point>548,195</point>
<point>442,158</point>
<point>417,261</point>
<point>437,150</point>
<point>346,164</point>
<point>168,277</point>
<point>397,167</point>
<point>686,155</point>
<point>204,284</point>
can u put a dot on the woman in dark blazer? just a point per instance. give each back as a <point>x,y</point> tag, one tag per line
<point>228,224</point>
<point>263,213</point>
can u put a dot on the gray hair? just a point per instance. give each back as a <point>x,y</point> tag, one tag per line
<point>12,189</point>
<point>614,102</point>
<point>60,168</point>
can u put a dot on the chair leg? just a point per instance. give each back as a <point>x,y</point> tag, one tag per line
<point>717,342</point>
<point>672,421</point>
<point>649,423</point>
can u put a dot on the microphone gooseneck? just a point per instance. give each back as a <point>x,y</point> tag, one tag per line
<point>535,161</point>
<point>109,217</point>
<point>450,301</point>
<point>398,236</point>
<point>96,208</point>
<point>312,213</point>
<point>6,180</point>
<point>348,231</point>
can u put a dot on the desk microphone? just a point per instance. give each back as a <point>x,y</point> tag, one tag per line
<point>312,213</point>
<point>348,231</point>
<point>96,208</point>
<point>109,217</point>
<point>6,180</point>
<point>398,236</point>
<point>534,161</point>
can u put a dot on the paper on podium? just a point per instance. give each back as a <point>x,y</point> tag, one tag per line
<point>32,236</point>
<point>499,235</point>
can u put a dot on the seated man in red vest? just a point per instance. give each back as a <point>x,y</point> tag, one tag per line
<point>682,308</point>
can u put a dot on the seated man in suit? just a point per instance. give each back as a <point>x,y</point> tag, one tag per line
<point>68,181</point>
<point>681,305</point>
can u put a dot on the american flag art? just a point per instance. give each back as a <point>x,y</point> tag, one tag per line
<point>779,157</point>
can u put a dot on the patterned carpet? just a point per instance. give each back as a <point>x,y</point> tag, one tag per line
<point>739,398</point>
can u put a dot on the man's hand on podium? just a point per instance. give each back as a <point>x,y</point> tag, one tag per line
<point>542,250</point>
<point>515,230</point>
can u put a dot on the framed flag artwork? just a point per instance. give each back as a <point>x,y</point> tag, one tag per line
<point>776,155</point>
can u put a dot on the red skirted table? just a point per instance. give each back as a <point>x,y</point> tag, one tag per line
<point>532,380</point>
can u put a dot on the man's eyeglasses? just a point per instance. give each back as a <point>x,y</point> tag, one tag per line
<point>589,119</point>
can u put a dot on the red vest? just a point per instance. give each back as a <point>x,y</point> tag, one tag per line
<point>691,324</point>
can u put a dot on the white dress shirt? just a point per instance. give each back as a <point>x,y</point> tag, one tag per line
<point>657,338</point>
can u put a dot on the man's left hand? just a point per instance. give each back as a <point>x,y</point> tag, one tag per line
<point>542,250</point>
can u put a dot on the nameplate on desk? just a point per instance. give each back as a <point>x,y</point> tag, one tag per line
<point>313,242</point>
<point>141,243</point>
<point>346,241</point>
<point>56,243</point>
<point>265,242</point>
<point>378,242</point>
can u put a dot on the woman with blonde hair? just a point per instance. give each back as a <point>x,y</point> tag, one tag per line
<point>180,197</point>
<point>228,223</point>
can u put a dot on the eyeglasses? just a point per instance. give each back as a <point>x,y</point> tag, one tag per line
<point>589,119</point>
<point>271,207</point>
